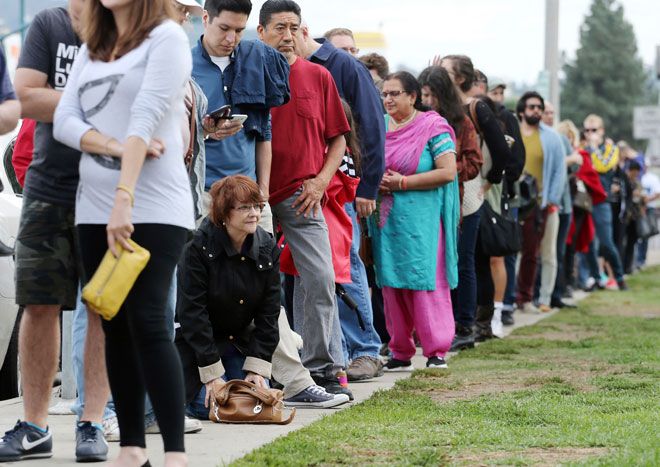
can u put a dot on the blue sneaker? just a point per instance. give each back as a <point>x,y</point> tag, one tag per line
<point>91,445</point>
<point>25,441</point>
<point>316,397</point>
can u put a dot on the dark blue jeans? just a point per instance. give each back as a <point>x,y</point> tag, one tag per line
<point>358,343</point>
<point>602,215</point>
<point>562,235</point>
<point>233,362</point>
<point>464,297</point>
<point>510,265</point>
<point>643,245</point>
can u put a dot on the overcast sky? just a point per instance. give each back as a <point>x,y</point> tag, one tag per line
<point>505,38</point>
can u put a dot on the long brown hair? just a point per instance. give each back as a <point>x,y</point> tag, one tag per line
<point>100,33</point>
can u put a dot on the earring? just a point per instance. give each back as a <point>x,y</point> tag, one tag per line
<point>224,223</point>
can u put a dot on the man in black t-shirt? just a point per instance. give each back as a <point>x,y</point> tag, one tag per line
<point>46,256</point>
<point>10,109</point>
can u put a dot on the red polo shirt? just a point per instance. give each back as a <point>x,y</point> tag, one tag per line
<point>302,127</point>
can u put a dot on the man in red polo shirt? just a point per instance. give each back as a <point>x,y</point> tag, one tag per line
<point>308,146</point>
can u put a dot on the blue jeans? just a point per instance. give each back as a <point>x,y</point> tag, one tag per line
<point>357,343</point>
<point>643,245</point>
<point>233,362</point>
<point>560,281</point>
<point>602,215</point>
<point>510,265</point>
<point>79,332</point>
<point>464,297</point>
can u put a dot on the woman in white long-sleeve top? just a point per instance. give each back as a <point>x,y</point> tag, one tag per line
<point>122,107</point>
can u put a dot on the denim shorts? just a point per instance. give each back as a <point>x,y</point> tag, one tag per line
<point>47,261</point>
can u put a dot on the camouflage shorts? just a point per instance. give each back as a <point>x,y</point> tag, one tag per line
<point>47,261</point>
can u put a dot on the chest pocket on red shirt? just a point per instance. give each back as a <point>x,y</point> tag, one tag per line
<point>308,105</point>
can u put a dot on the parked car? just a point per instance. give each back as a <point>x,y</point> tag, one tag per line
<point>10,210</point>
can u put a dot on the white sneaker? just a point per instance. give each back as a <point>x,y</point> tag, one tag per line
<point>111,429</point>
<point>530,308</point>
<point>496,323</point>
<point>190,425</point>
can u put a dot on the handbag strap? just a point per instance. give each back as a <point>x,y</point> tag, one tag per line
<point>193,127</point>
<point>472,107</point>
<point>238,385</point>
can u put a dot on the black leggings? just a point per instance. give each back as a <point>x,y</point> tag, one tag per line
<point>139,352</point>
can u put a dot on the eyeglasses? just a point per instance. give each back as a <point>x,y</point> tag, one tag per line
<point>534,106</point>
<point>350,50</point>
<point>384,94</point>
<point>246,208</point>
<point>591,130</point>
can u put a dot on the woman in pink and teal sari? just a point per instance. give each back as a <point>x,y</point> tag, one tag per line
<point>414,230</point>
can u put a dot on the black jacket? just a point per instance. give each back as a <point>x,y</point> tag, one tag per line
<point>226,298</point>
<point>516,163</point>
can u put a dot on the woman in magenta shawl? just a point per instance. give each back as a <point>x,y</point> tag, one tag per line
<point>414,229</point>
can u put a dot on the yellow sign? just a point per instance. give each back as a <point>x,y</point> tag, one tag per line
<point>370,40</point>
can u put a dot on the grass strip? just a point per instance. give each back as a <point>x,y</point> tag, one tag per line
<point>579,388</point>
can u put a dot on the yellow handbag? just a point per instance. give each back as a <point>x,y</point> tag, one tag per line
<point>114,279</point>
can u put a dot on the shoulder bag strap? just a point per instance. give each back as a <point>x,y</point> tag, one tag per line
<point>193,127</point>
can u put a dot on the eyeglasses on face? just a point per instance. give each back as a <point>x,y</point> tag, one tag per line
<point>246,208</point>
<point>385,94</point>
<point>351,50</point>
<point>534,106</point>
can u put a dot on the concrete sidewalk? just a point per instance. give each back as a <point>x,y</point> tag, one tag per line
<point>216,444</point>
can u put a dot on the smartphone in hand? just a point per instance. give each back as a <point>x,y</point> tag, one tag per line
<point>222,113</point>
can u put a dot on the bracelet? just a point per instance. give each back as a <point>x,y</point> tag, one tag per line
<point>404,183</point>
<point>126,189</point>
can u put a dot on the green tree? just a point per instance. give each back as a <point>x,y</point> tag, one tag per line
<point>607,77</point>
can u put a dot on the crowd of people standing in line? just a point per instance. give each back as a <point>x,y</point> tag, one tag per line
<point>312,218</point>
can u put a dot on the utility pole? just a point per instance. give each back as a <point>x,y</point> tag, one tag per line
<point>21,14</point>
<point>552,52</point>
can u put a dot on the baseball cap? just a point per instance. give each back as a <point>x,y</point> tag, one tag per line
<point>494,83</point>
<point>193,7</point>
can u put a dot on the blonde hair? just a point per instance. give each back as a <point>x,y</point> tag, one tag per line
<point>595,119</point>
<point>568,129</point>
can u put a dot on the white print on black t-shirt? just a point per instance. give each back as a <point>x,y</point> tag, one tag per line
<point>66,54</point>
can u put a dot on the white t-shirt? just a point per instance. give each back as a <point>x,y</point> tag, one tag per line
<point>220,62</point>
<point>651,186</point>
<point>140,94</point>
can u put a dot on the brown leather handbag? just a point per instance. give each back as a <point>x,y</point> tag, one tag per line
<point>243,402</point>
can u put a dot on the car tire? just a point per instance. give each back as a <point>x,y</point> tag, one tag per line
<point>9,373</point>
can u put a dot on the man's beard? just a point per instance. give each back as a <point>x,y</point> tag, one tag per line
<point>532,120</point>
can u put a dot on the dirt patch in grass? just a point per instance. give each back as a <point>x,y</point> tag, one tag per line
<point>570,373</point>
<point>566,333</point>
<point>473,390</point>
<point>535,456</point>
<point>629,309</point>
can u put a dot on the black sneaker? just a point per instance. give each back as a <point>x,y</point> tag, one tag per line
<point>436,362</point>
<point>398,365</point>
<point>316,397</point>
<point>331,385</point>
<point>463,339</point>
<point>24,441</point>
<point>507,318</point>
<point>622,285</point>
<point>90,443</point>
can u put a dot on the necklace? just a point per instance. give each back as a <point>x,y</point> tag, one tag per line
<point>403,122</point>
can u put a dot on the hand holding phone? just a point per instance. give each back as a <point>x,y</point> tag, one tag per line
<point>221,113</point>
